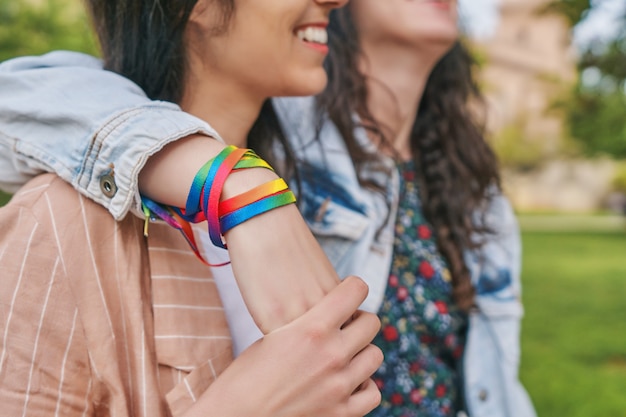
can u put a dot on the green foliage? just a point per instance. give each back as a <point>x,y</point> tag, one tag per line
<point>610,59</point>
<point>619,180</point>
<point>573,10</point>
<point>573,333</point>
<point>596,107</point>
<point>38,26</point>
<point>598,121</point>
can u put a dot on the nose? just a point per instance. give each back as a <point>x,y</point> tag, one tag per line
<point>333,4</point>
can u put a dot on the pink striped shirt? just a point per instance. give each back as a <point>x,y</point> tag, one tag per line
<point>95,319</point>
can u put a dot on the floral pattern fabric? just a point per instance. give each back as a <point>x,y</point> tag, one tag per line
<point>421,328</point>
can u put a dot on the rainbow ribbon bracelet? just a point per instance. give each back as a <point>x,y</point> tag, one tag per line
<point>259,200</point>
<point>203,201</point>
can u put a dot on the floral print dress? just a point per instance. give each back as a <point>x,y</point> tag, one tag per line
<point>421,334</point>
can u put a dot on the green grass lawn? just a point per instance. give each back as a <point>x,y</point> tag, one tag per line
<point>574,331</point>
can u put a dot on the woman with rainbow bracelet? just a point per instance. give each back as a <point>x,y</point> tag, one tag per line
<point>398,185</point>
<point>108,318</point>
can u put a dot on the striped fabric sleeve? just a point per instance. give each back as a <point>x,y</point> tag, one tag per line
<point>97,320</point>
<point>44,362</point>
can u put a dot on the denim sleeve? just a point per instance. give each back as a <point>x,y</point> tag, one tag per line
<point>496,265</point>
<point>492,354</point>
<point>63,113</point>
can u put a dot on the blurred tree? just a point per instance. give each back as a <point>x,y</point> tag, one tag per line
<point>596,108</point>
<point>38,26</point>
<point>573,10</point>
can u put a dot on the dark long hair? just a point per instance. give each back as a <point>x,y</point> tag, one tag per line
<point>143,40</point>
<point>455,167</point>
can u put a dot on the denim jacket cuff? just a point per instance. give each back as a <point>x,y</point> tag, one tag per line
<point>111,167</point>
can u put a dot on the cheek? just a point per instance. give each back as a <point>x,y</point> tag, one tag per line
<point>292,69</point>
<point>266,57</point>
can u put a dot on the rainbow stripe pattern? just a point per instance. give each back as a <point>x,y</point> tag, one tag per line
<point>203,201</point>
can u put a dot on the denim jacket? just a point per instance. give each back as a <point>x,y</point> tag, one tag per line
<point>79,127</point>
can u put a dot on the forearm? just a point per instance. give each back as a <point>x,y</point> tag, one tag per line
<point>279,266</point>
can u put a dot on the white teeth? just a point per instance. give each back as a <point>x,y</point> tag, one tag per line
<point>313,34</point>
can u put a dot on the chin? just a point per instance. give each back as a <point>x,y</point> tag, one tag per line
<point>439,39</point>
<point>308,85</point>
<point>440,34</point>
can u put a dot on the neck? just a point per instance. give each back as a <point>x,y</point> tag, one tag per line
<point>396,76</point>
<point>230,109</point>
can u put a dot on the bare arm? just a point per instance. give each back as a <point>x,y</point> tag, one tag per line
<point>279,266</point>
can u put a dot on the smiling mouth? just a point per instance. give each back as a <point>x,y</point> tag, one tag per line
<point>313,34</point>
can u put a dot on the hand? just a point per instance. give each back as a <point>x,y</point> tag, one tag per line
<point>318,365</point>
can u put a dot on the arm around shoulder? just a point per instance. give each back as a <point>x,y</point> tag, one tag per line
<point>62,113</point>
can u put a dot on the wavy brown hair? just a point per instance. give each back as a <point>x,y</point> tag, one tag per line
<point>143,40</point>
<point>455,167</point>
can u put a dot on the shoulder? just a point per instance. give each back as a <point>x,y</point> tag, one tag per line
<point>60,218</point>
<point>49,198</point>
<point>44,196</point>
<point>55,59</point>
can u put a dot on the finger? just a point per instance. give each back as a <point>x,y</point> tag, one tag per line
<point>364,400</point>
<point>360,331</point>
<point>363,366</point>
<point>341,303</point>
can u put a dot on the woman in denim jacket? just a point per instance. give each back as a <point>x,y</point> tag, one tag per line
<point>388,186</point>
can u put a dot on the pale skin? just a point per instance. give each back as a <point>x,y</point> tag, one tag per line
<point>314,366</point>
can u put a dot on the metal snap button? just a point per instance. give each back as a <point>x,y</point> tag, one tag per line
<point>107,185</point>
<point>483,395</point>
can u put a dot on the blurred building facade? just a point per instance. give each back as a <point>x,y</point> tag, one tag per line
<point>531,63</point>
